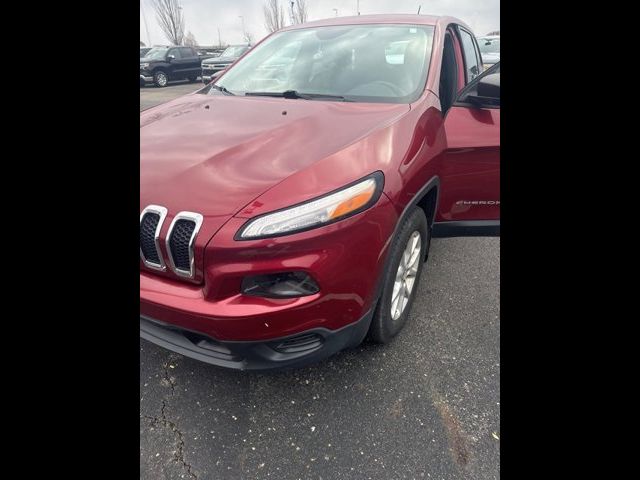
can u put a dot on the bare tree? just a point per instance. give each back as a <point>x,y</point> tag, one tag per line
<point>171,20</point>
<point>248,37</point>
<point>273,15</point>
<point>190,40</point>
<point>300,12</point>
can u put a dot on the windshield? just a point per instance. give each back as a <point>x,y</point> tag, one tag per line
<point>234,51</point>
<point>489,45</point>
<point>369,63</point>
<point>156,54</point>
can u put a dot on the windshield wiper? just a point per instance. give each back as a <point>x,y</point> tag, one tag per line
<point>222,89</point>
<point>293,94</point>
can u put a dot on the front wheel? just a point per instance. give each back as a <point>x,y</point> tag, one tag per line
<point>407,255</point>
<point>160,79</point>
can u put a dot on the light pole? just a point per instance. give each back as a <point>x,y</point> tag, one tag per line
<point>358,6</point>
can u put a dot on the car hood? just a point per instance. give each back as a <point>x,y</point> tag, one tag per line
<point>490,58</point>
<point>214,154</point>
<point>220,60</point>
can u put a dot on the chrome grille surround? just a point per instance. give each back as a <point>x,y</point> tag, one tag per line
<point>162,212</point>
<point>197,219</point>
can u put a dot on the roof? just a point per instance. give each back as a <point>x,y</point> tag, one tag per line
<point>411,19</point>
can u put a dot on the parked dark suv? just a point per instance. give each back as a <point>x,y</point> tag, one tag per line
<point>163,64</point>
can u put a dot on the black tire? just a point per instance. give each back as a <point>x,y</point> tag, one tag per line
<point>192,79</point>
<point>383,326</point>
<point>160,78</point>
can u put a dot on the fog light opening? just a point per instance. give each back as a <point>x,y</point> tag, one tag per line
<point>280,285</point>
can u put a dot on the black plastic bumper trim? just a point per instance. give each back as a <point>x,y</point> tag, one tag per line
<point>258,355</point>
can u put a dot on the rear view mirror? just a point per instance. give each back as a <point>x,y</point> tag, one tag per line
<point>171,57</point>
<point>487,92</point>
<point>489,86</point>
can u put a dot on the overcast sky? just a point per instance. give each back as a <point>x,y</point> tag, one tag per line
<point>204,17</point>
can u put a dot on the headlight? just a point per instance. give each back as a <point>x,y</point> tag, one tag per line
<point>330,208</point>
<point>144,65</point>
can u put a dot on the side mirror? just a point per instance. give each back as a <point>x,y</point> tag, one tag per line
<point>487,91</point>
<point>170,57</point>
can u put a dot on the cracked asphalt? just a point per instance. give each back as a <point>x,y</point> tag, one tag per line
<point>425,406</point>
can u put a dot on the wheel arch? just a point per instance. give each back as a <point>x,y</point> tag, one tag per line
<point>427,200</point>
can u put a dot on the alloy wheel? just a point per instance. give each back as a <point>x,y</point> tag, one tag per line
<point>406,275</point>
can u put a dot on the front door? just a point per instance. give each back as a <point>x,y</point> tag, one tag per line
<point>469,202</point>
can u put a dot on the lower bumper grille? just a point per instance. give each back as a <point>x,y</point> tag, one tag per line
<point>301,343</point>
<point>214,348</point>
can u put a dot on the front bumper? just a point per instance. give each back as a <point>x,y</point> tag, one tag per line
<point>208,73</point>
<point>345,259</point>
<point>287,352</point>
<point>146,78</point>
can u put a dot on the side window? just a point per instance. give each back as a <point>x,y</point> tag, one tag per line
<point>176,53</point>
<point>471,61</point>
<point>186,52</point>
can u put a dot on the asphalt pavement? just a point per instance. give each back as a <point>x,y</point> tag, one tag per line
<point>425,406</point>
<point>151,95</point>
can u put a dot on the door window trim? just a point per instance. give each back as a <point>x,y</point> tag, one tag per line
<point>457,47</point>
<point>474,42</point>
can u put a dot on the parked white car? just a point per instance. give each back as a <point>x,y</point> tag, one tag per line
<point>490,49</point>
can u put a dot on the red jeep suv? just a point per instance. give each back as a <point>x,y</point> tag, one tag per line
<point>287,207</point>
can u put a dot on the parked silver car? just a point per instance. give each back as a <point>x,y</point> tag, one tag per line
<point>490,49</point>
<point>212,66</point>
